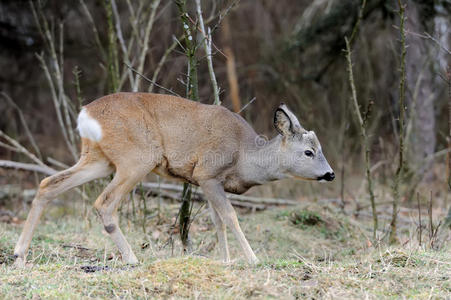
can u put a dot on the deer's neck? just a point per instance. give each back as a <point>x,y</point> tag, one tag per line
<point>261,164</point>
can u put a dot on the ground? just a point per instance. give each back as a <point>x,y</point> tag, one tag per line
<point>306,252</point>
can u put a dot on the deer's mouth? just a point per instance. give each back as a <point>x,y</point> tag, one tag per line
<point>303,178</point>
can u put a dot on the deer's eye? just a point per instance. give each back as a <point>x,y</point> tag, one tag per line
<point>308,153</point>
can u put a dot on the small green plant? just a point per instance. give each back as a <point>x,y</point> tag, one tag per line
<point>305,218</point>
<point>323,224</point>
<point>399,259</point>
<point>282,263</point>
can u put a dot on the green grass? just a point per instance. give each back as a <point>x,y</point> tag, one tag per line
<point>328,259</point>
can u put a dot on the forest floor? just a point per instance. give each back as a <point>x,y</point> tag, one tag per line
<point>306,252</point>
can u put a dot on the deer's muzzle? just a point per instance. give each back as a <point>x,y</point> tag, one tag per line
<point>329,176</point>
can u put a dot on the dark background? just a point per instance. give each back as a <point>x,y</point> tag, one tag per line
<point>284,51</point>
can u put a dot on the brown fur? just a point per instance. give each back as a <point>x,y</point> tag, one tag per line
<point>173,132</point>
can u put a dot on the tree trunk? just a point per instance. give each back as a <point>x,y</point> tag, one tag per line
<point>422,87</point>
<point>232,77</point>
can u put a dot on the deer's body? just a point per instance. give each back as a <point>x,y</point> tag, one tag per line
<point>133,134</point>
<point>172,132</point>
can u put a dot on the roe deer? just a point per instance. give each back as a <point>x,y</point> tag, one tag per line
<point>133,134</point>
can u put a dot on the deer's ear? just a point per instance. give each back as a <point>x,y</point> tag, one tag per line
<point>286,122</point>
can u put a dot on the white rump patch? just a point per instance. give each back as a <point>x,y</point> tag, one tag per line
<point>89,127</point>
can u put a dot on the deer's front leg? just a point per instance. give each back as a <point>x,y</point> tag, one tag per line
<point>216,197</point>
<point>222,234</point>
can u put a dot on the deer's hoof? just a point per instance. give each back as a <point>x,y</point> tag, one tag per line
<point>19,263</point>
<point>254,261</point>
<point>227,261</point>
<point>131,260</point>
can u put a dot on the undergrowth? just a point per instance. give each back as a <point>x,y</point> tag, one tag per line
<point>305,253</point>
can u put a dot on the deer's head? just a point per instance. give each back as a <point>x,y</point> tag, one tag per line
<point>300,150</point>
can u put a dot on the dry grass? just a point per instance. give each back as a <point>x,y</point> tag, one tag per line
<point>328,258</point>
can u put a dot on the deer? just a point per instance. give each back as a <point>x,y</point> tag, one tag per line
<point>134,134</point>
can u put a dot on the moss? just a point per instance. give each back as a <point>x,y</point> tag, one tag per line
<point>305,218</point>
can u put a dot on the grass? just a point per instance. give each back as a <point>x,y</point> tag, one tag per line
<point>327,258</point>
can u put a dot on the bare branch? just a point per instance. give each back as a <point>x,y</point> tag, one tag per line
<point>153,82</point>
<point>402,109</point>
<point>28,167</point>
<point>56,104</point>
<point>363,132</point>
<point>162,62</point>
<point>258,200</point>
<point>142,58</point>
<point>207,45</point>
<point>21,149</point>
<point>247,104</point>
<point>427,36</point>
<point>24,123</point>
<point>125,50</point>
<point>94,29</point>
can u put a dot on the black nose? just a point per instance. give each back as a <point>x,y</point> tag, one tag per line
<point>329,176</point>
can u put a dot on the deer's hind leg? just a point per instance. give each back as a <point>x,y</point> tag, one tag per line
<point>126,177</point>
<point>91,165</point>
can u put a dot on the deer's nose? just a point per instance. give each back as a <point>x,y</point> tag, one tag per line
<point>329,176</point>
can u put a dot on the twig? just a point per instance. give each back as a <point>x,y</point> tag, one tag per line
<point>76,72</point>
<point>247,104</point>
<point>28,167</point>
<point>22,149</point>
<point>362,124</point>
<point>56,104</point>
<point>8,147</point>
<point>199,197</point>
<point>207,45</point>
<point>427,36</point>
<point>94,29</point>
<point>192,92</point>
<point>24,123</point>
<point>120,37</point>
<point>161,63</point>
<point>78,247</point>
<point>420,229</point>
<point>57,163</point>
<point>351,81</point>
<point>222,15</point>
<point>381,203</point>
<point>35,168</point>
<point>448,158</point>
<point>112,58</point>
<point>57,65</point>
<point>359,19</point>
<point>431,224</point>
<point>153,82</point>
<point>59,70</point>
<point>143,55</point>
<point>417,177</point>
<point>134,18</point>
<point>399,171</point>
<point>258,200</point>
